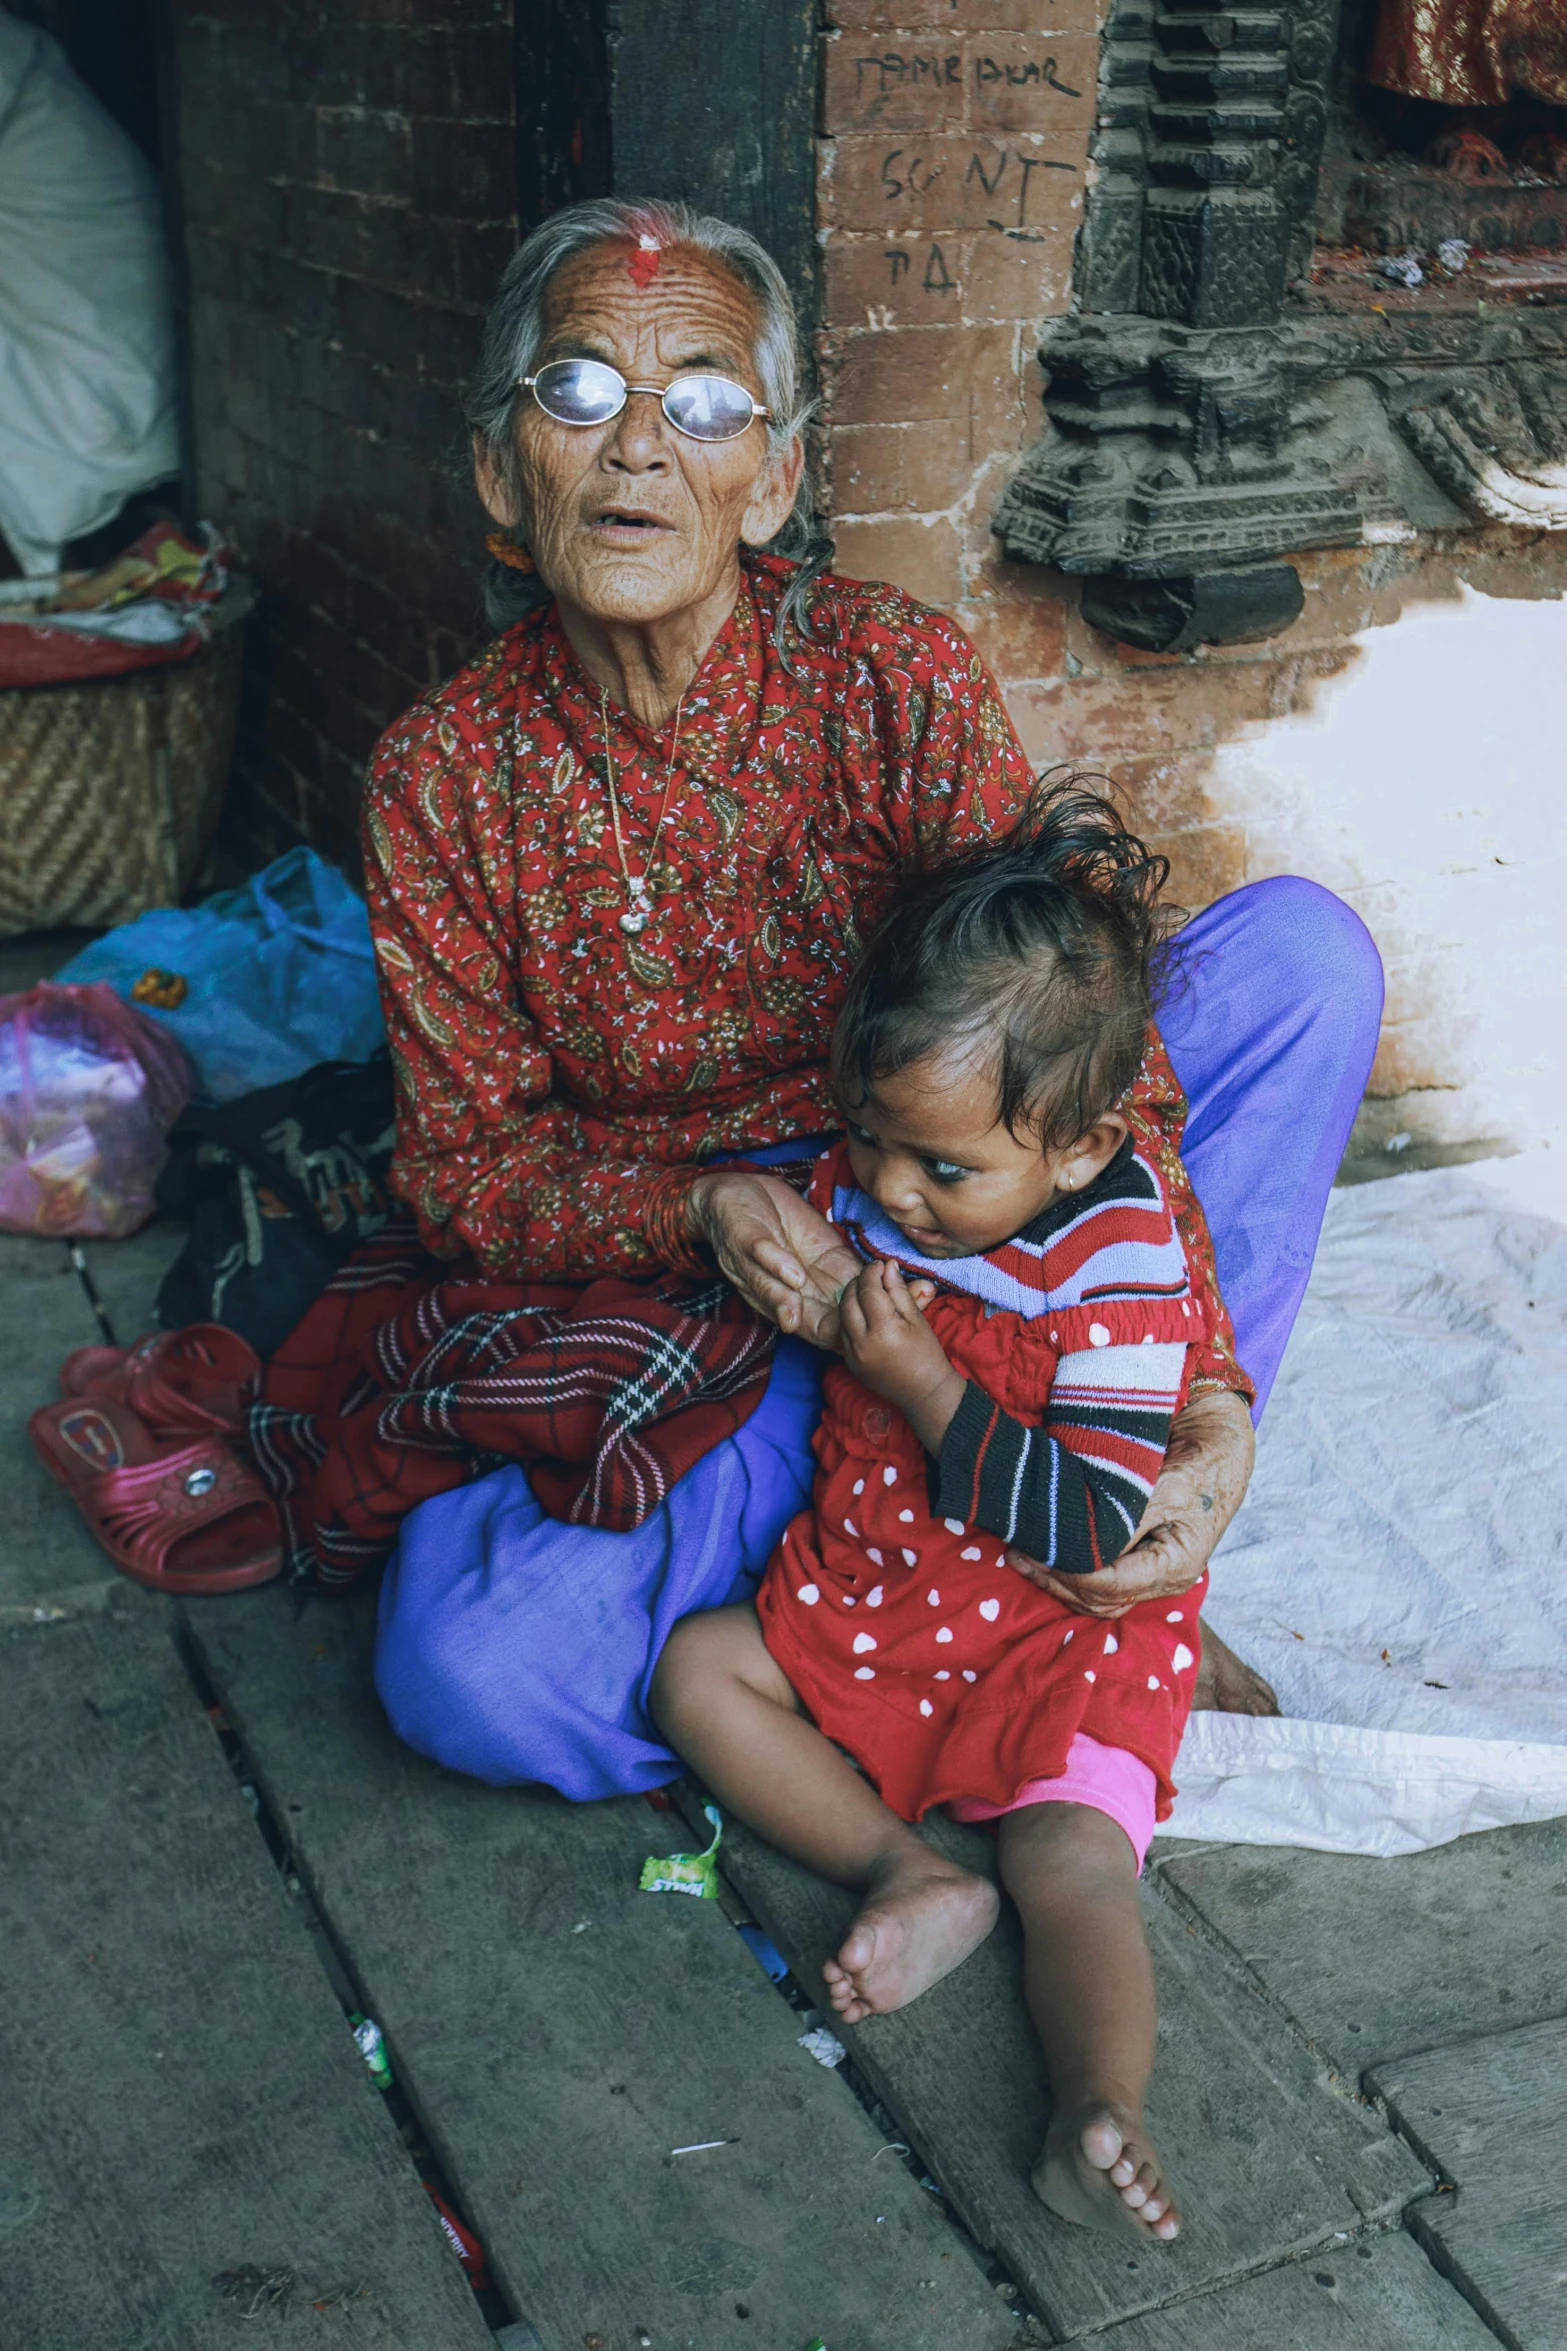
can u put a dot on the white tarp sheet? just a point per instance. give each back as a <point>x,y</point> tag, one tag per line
<point>86,315</point>
<point>1399,1568</point>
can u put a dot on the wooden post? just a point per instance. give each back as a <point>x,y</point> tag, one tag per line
<point>712,103</point>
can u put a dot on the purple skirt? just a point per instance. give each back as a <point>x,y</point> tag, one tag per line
<point>516,1648</point>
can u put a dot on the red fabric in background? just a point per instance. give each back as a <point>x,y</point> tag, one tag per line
<point>162,567</point>
<point>1471,52</point>
<point>63,657</point>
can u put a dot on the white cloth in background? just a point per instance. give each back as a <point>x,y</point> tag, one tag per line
<point>1399,1568</point>
<point>87,411</point>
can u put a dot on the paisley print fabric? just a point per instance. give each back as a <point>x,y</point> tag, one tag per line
<point>548,1063</point>
<point>1471,52</point>
<point>560,1081</point>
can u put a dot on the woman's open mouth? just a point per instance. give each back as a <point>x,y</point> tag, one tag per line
<point>628,526</point>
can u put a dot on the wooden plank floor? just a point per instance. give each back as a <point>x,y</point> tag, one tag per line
<point>1493,2114</point>
<point>182,2096</point>
<point>1467,1939</point>
<point>560,2034</point>
<point>1269,2160</point>
<point>1378,2294</point>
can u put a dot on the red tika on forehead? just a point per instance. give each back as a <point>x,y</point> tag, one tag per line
<point>642,268</point>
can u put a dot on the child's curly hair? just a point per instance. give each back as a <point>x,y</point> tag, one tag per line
<point>1053,941</point>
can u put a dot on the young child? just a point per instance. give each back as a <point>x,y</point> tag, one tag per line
<point>1014,1351</point>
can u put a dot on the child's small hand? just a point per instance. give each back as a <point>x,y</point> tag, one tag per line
<point>828,1334</point>
<point>888,1344</point>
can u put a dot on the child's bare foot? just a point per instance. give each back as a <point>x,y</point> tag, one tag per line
<point>920,1920</point>
<point>1100,2169</point>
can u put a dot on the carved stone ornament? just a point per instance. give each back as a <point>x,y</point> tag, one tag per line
<point>1198,432</point>
<point>1173,451</point>
<point>1496,440</point>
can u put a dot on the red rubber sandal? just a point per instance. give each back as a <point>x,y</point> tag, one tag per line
<point>184,1383</point>
<point>189,1518</point>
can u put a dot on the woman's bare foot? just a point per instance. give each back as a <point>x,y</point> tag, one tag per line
<point>920,1919</point>
<point>1100,2169</point>
<point>1226,1684</point>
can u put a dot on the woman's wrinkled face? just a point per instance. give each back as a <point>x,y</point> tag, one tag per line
<point>633,521</point>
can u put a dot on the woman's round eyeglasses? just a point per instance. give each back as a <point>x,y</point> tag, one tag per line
<point>591,392</point>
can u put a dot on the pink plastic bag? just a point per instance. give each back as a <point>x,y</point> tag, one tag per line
<point>89,1088</point>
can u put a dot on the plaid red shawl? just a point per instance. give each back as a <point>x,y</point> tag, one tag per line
<point>409,1377</point>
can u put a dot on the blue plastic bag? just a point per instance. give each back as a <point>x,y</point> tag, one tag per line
<point>278,975</point>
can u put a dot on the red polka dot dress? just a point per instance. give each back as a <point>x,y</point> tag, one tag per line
<point>889,1603</point>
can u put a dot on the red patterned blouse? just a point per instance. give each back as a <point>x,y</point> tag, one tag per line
<point>561,1081</point>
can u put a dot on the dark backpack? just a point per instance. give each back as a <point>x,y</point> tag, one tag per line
<point>279,1187</point>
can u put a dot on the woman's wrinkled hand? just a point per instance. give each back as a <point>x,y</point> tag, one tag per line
<point>1206,1471</point>
<point>777,1250</point>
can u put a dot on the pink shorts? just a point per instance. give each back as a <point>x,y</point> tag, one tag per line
<point>1107,1778</point>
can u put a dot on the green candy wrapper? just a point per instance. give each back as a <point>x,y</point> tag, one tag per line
<point>686,1873</point>
<point>367,2033</point>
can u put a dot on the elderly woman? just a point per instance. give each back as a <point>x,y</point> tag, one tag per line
<point>615,867</point>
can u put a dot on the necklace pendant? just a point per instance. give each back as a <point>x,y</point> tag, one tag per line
<point>633,921</point>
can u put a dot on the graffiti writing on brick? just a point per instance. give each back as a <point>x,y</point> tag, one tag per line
<point>894,71</point>
<point>1030,72</point>
<point>937,278</point>
<point>879,77</point>
<point>1004,174</point>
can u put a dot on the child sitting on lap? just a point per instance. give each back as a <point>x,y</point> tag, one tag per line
<point>1023,1332</point>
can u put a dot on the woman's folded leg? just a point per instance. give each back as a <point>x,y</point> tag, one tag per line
<point>1271,1030</point>
<point>515,1647</point>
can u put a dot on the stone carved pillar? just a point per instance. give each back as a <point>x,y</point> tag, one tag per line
<point>1200,431</point>
<point>1210,133</point>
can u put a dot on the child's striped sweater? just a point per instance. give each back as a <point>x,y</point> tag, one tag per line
<point>892,1605</point>
<point>1106,1275</point>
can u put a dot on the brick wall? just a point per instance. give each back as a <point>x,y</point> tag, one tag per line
<point>951,180</point>
<point>947,226</point>
<point>950,188</point>
<point>348,181</point>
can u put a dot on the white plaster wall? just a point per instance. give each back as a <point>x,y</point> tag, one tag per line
<point>1428,786</point>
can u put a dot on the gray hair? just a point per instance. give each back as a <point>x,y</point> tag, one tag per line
<point>514,331</point>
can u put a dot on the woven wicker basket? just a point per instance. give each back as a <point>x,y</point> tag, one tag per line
<point>110,789</point>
